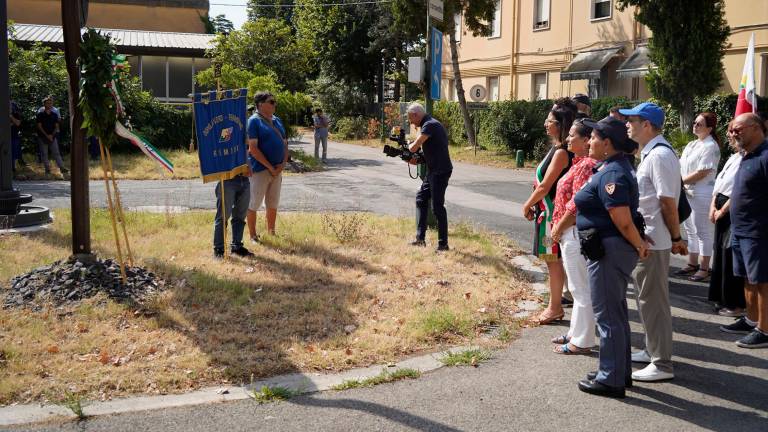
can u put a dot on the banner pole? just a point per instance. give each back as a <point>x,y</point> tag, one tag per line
<point>112,215</point>
<point>224,215</point>
<point>120,215</point>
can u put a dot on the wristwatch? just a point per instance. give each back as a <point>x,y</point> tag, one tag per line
<point>676,239</point>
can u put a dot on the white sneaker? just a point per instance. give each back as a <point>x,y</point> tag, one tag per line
<point>651,373</point>
<point>641,357</point>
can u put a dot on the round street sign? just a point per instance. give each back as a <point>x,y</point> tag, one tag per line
<point>477,93</point>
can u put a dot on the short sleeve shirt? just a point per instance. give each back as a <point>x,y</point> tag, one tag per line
<point>48,120</point>
<point>724,179</point>
<point>569,184</point>
<point>436,146</point>
<point>749,198</point>
<point>658,175</point>
<point>701,155</point>
<point>270,143</point>
<point>612,185</point>
<point>319,122</point>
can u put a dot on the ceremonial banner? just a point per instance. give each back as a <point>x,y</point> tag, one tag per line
<point>220,127</point>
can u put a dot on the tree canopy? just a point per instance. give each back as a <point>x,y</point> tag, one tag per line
<point>687,47</point>
<point>270,43</point>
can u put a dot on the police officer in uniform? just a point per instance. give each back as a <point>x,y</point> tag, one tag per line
<point>606,219</point>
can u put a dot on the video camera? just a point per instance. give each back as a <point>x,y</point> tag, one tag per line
<point>402,151</point>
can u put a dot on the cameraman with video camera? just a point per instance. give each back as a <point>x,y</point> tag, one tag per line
<point>433,140</point>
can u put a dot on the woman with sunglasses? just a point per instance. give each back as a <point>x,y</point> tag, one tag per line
<point>725,289</point>
<point>698,167</point>
<point>581,333</point>
<point>540,205</point>
<point>267,156</point>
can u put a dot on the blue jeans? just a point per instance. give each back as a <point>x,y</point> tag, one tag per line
<point>433,187</point>
<point>236,198</point>
<point>15,149</point>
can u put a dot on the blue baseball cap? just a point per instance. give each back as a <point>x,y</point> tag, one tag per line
<point>648,111</point>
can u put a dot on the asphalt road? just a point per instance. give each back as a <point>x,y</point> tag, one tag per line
<point>525,387</point>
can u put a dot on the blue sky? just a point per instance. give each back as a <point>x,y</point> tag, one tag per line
<point>236,13</point>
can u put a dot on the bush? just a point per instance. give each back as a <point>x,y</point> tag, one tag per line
<point>165,126</point>
<point>352,127</point>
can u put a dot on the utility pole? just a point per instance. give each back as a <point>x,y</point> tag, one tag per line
<point>74,16</point>
<point>428,86</point>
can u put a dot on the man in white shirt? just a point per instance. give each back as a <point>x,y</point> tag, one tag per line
<point>658,179</point>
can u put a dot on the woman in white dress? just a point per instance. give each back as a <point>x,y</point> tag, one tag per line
<point>698,167</point>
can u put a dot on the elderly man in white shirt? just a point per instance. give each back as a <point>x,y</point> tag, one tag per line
<point>658,179</point>
<point>698,167</point>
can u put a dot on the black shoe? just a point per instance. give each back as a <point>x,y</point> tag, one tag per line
<point>592,375</point>
<point>566,302</point>
<point>420,243</point>
<point>756,339</point>
<point>64,171</point>
<point>218,253</point>
<point>442,247</point>
<point>740,326</point>
<point>242,252</point>
<point>599,389</point>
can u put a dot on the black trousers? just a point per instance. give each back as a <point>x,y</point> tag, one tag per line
<point>433,187</point>
<point>724,288</point>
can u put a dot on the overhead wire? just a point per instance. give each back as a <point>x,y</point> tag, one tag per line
<point>363,2</point>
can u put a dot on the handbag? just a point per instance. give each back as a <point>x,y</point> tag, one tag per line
<point>591,244</point>
<point>683,206</point>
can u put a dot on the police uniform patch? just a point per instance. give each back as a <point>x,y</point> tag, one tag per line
<point>610,188</point>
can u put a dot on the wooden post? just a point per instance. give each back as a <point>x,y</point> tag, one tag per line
<point>81,223</point>
<point>119,206</point>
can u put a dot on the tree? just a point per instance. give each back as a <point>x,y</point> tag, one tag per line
<point>269,43</point>
<point>220,24</point>
<point>687,47</point>
<point>477,15</point>
<point>273,9</point>
<point>341,38</point>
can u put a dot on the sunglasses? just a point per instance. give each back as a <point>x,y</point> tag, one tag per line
<point>699,124</point>
<point>272,101</point>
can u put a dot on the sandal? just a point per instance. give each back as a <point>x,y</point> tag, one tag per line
<point>543,320</point>
<point>701,278</point>
<point>564,339</point>
<point>687,270</point>
<point>564,349</point>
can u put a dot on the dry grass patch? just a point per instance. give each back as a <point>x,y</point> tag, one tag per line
<point>308,301</point>
<point>137,166</point>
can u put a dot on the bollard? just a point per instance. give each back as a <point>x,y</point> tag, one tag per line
<point>520,158</point>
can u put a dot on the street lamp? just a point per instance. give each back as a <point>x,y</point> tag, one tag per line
<point>383,72</point>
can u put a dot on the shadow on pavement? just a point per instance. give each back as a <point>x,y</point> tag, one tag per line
<point>392,414</point>
<point>710,417</point>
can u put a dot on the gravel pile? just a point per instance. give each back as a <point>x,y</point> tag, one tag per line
<point>70,281</point>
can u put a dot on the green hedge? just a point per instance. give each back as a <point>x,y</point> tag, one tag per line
<point>508,126</point>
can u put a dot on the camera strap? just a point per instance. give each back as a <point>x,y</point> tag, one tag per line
<point>271,125</point>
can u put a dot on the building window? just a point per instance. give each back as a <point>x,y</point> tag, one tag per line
<point>493,88</point>
<point>496,23</point>
<point>457,27</point>
<point>153,70</point>
<point>600,9</point>
<point>539,86</point>
<point>179,77</point>
<point>541,14</point>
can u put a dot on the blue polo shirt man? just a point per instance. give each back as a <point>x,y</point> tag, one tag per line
<point>749,228</point>
<point>433,139</point>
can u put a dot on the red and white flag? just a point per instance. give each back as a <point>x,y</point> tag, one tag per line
<point>747,102</point>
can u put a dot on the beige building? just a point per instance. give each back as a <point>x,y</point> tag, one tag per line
<point>181,16</point>
<point>165,40</point>
<point>551,48</point>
